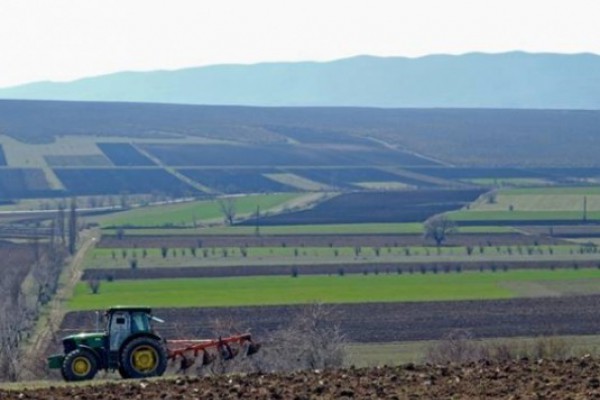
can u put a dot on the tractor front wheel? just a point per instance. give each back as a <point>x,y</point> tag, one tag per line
<point>79,365</point>
<point>142,358</point>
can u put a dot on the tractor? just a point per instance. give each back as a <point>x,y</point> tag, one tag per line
<point>130,346</point>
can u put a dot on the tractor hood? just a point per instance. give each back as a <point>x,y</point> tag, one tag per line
<point>85,336</point>
<point>90,339</point>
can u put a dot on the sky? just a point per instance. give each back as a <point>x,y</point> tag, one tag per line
<point>62,40</point>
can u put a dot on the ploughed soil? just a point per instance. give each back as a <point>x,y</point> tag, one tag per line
<point>525,379</point>
<point>382,322</point>
<point>376,240</point>
<point>324,269</point>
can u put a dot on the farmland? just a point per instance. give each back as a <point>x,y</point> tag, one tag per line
<point>350,177</point>
<point>278,155</point>
<point>237,180</point>
<point>342,195</point>
<point>410,206</point>
<point>574,378</point>
<point>392,321</point>
<point>88,181</point>
<point>184,214</point>
<point>334,289</point>
<point>287,254</point>
<point>19,183</point>
<point>327,229</point>
<point>123,154</point>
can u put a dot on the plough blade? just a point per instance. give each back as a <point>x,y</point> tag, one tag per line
<point>226,348</point>
<point>253,349</point>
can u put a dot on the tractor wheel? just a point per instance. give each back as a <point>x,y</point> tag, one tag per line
<point>142,358</point>
<point>123,373</point>
<point>79,365</point>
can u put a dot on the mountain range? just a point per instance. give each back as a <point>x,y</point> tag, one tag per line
<point>473,80</point>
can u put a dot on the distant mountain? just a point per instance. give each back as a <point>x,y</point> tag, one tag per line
<point>507,80</point>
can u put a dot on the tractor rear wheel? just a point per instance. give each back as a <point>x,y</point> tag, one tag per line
<point>142,358</point>
<point>79,365</point>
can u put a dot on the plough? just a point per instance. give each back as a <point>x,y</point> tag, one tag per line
<point>227,348</point>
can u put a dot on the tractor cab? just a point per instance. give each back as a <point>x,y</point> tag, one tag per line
<point>123,322</point>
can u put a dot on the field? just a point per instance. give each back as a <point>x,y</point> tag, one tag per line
<point>225,251</point>
<point>124,154</point>
<point>409,206</point>
<point>102,181</point>
<point>278,155</point>
<point>456,136</point>
<point>342,193</point>
<point>522,379</point>
<point>390,321</point>
<point>351,178</point>
<point>334,289</point>
<point>237,180</point>
<point>189,213</point>
<point>19,183</point>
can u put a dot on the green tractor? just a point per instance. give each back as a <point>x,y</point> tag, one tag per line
<point>130,346</point>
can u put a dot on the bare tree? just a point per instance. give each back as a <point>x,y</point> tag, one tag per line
<point>438,228</point>
<point>313,340</point>
<point>227,205</point>
<point>94,285</point>
<point>73,231</point>
<point>60,221</point>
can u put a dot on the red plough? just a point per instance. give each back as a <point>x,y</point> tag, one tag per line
<point>227,348</point>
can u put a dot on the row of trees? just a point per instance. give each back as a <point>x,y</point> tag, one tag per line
<point>19,309</point>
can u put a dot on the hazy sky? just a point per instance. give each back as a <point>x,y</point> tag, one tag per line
<point>69,39</point>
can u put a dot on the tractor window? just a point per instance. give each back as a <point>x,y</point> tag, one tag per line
<point>139,323</point>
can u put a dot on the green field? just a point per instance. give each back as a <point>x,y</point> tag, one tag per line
<point>184,214</point>
<point>410,228</point>
<point>508,181</point>
<point>207,292</point>
<point>535,204</point>
<point>480,215</point>
<point>554,191</point>
<point>222,256</point>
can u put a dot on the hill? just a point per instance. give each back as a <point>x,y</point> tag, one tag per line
<point>475,80</point>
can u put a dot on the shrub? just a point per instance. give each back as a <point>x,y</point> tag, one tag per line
<point>94,285</point>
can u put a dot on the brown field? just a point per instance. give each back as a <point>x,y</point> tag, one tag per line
<point>391,322</point>
<point>503,239</point>
<point>523,379</point>
<point>322,269</point>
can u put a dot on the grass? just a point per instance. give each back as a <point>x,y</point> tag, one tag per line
<point>184,214</point>
<point>477,215</point>
<point>541,202</point>
<point>555,190</point>
<point>535,204</point>
<point>397,353</point>
<point>508,181</point>
<point>221,256</point>
<point>204,292</point>
<point>332,229</point>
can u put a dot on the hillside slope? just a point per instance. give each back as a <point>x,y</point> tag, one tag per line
<point>507,80</point>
